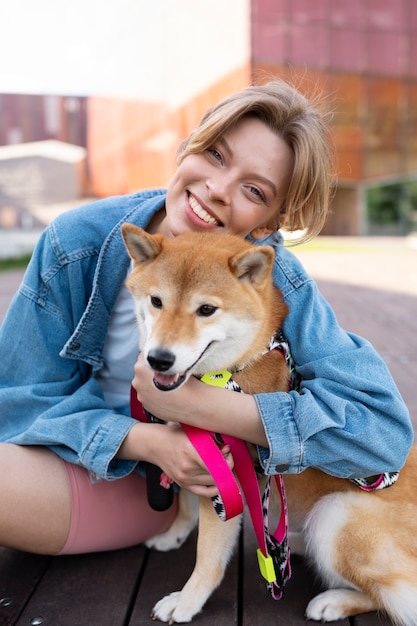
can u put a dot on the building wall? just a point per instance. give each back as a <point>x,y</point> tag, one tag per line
<point>376,37</point>
<point>362,55</point>
<point>27,117</point>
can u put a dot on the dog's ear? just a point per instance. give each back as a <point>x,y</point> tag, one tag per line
<point>254,265</point>
<point>140,245</point>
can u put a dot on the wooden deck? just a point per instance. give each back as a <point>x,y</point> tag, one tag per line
<point>120,588</point>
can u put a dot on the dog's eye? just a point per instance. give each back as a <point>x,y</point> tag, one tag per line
<point>156,302</point>
<point>205,310</point>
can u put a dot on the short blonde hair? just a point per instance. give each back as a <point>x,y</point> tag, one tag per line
<point>301,125</point>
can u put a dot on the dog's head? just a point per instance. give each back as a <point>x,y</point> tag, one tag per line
<point>204,301</point>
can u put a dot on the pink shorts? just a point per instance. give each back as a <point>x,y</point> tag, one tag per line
<point>108,515</point>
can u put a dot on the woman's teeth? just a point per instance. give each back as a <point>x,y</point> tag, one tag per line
<point>202,213</point>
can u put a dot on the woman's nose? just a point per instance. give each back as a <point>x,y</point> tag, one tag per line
<point>219,189</point>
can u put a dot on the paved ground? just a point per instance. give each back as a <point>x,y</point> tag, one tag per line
<point>371,284</point>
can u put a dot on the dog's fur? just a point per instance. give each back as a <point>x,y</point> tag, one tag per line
<point>207,303</point>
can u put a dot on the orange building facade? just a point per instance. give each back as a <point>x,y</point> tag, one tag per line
<point>133,144</point>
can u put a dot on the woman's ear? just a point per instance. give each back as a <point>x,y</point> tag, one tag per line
<point>260,232</point>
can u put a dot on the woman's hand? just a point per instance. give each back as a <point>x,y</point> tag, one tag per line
<point>201,405</point>
<point>167,446</point>
<point>172,405</point>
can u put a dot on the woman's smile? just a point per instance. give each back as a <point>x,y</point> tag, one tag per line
<point>201,212</point>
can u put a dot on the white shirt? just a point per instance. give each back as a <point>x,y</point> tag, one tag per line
<point>121,349</point>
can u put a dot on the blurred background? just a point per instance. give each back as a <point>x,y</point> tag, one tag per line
<point>96,95</point>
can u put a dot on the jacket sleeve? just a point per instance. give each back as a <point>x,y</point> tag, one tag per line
<point>46,399</point>
<point>348,418</point>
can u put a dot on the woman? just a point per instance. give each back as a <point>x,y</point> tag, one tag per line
<point>70,453</point>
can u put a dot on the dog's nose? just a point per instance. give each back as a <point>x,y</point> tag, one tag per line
<point>160,360</point>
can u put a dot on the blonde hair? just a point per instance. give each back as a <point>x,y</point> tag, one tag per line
<point>301,125</point>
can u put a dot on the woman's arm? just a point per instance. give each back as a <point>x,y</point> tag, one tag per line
<point>201,405</point>
<point>347,418</point>
<point>48,398</point>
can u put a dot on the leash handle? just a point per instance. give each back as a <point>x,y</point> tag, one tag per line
<point>159,497</point>
<point>246,474</point>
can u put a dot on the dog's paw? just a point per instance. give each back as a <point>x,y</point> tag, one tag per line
<point>170,609</point>
<point>165,542</point>
<point>182,526</point>
<point>335,604</point>
<point>332,605</point>
<point>172,539</point>
<point>325,607</point>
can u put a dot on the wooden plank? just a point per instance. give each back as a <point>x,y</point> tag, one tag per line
<point>168,571</point>
<point>20,573</point>
<point>259,608</point>
<point>86,590</point>
<point>120,588</point>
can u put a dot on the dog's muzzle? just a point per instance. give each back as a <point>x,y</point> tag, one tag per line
<point>161,360</point>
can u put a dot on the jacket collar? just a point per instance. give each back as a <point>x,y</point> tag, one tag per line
<point>87,341</point>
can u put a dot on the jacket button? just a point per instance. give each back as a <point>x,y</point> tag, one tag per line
<point>280,469</point>
<point>75,346</point>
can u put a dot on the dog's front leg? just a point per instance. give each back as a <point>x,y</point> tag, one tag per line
<point>216,542</point>
<point>182,526</point>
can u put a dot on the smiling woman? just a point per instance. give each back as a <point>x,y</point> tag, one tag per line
<point>302,128</point>
<point>258,158</point>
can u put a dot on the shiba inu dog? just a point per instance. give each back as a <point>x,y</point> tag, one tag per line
<point>207,302</point>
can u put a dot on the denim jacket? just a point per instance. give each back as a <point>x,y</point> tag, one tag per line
<point>347,418</point>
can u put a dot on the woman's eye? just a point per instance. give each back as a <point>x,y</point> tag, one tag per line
<point>215,154</point>
<point>256,192</point>
<point>156,302</point>
<point>205,310</point>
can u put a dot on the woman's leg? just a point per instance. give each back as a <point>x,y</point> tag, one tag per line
<point>108,515</point>
<point>35,497</point>
<point>52,507</point>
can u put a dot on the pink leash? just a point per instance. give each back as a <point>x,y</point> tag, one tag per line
<point>273,552</point>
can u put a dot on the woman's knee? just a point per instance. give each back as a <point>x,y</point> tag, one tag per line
<point>36,501</point>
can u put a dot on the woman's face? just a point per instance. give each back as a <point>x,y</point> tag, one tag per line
<point>238,185</point>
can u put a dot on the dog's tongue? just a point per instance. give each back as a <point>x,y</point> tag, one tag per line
<point>166,383</point>
<point>165,380</point>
